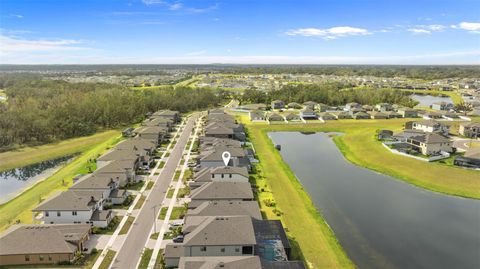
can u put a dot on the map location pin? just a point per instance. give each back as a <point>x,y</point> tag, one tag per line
<point>226,157</point>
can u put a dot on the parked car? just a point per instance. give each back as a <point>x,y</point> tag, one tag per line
<point>176,223</point>
<point>178,239</point>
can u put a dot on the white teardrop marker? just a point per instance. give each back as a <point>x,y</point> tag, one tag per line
<point>226,157</point>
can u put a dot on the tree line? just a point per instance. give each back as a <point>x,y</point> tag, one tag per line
<point>334,94</point>
<point>40,111</point>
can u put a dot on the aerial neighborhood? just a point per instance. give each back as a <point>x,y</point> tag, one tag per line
<point>70,216</point>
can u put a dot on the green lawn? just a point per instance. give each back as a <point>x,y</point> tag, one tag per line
<point>127,225</point>
<point>30,155</point>
<point>177,175</point>
<point>140,202</point>
<point>291,203</point>
<point>177,212</point>
<point>108,259</point>
<point>146,255</point>
<point>149,185</point>
<point>20,207</point>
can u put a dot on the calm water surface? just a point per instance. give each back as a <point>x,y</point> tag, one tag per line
<point>382,222</point>
<point>14,181</point>
<point>428,100</point>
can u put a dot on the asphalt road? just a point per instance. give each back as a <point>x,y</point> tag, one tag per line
<point>131,251</point>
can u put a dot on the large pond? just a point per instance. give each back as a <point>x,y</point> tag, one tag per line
<point>13,182</point>
<point>382,222</point>
<point>427,100</point>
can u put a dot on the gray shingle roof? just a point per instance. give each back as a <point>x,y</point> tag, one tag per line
<point>94,181</point>
<point>218,231</point>
<point>42,239</point>
<point>224,262</point>
<point>226,208</point>
<point>71,200</point>
<point>223,191</point>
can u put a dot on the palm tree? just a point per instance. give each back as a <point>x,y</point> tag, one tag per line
<point>463,108</point>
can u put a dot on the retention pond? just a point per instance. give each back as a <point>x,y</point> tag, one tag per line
<point>380,221</point>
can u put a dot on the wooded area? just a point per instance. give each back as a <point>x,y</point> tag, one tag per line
<point>330,93</point>
<point>40,111</point>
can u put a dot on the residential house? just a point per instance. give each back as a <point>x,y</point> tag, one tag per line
<point>293,117</point>
<point>294,105</point>
<point>430,143</point>
<point>159,122</point>
<point>327,116</point>
<point>212,157</point>
<point>231,191</point>
<point>384,134</point>
<point>352,105</point>
<point>470,159</point>
<point>383,107</point>
<point>214,236</point>
<point>308,114</point>
<point>224,262</point>
<point>219,174</point>
<point>275,117</point>
<point>310,105</point>
<point>378,115</point>
<point>442,106</point>
<point>257,115</point>
<point>470,129</point>
<point>156,134</point>
<point>361,116</point>
<point>278,104</point>
<point>42,244</point>
<point>124,170</point>
<point>322,107</point>
<point>167,114</point>
<point>343,115</point>
<point>219,131</point>
<point>226,208</point>
<point>407,112</point>
<point>367,108</point>
<point>109,185</point>
<point>393,114</point>
<point>431,115</point>
<point>76,206</point>
<point>431,126</point>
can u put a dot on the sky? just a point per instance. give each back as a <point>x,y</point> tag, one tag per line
<point>240,31</point>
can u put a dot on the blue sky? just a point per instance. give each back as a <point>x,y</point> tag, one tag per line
<point>234,31</point>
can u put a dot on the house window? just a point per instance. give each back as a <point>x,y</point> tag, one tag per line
<point>74,213</point>
<point>40,257</point>
<point>213,175</point>
<point>230,175</point>
<point>247,250</point>
<point>49,257</point>
<point>222,250</point>
<point>237,249</point>
<point>46,214</point>
<point>59,213</point>
<point>203,249</point>
<point>223,175</point>
<point>27,258</point>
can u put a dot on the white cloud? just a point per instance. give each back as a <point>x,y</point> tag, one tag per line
<point>435,27</point>
<point>17,16</point>
<point>15,45</point>
<point>330,33</point>
<point>153,2</point>
<point>469,26</point>
<point>419,31</point>
<point>176,6</point>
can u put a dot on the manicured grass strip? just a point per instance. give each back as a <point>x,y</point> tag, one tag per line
<point>30,155</point>
<point>140,202</point>
<point>154,236</point>
<point>107,261</point>
<point>159,263</point>
<point>161,165</point>
<point>149,185</point>
<point>177,212</point>
<point>305,225</point>
<point>146,255</point>
<point>170,193</point>
<point>20,207</point>
<point>177,175</point>
<point>127,225</point>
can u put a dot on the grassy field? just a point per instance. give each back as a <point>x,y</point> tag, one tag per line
<point>127,225</point>
<point>19,208</point>
<point>31,155</point>
<point>146,255</point>
<point>358,144</point>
